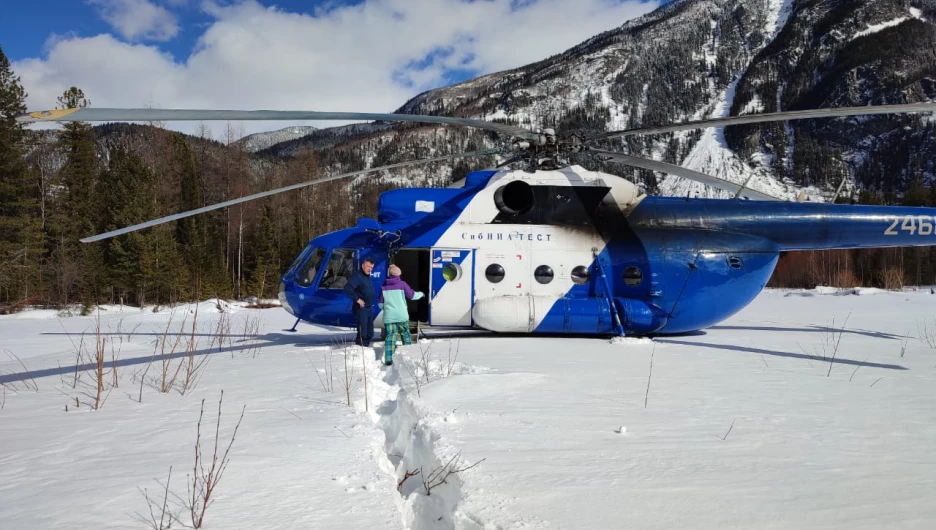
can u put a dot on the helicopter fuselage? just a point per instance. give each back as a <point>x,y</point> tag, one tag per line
<point>578,252</point>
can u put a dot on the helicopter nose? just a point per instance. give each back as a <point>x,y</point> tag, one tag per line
<point>283,301</point>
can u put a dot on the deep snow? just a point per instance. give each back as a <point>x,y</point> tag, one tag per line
<point>745,425</point>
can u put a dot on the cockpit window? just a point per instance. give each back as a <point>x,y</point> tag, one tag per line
<point>299,260</point>
<point>339,270</point>
<point>306,274</point>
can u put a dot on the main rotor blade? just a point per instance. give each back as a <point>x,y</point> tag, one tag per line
<point>112,115</point>
<point>663,167</point>
<point>260,195</point>
<point>777,116</point>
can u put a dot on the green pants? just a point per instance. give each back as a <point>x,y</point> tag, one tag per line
<point>392,333</point>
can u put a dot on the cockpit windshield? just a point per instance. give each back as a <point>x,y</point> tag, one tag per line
<point>340,268</point>
<point>306,274</point>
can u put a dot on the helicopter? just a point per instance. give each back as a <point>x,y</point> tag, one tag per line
<point>553,248</point>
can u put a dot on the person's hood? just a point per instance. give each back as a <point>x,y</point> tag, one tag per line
<point>393,281</point>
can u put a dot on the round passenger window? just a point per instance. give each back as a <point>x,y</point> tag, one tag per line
<point>452,272</point>
<point>633,276</point>
<point>494,273</point>
<point>543,274</point>
<point>580,275</point>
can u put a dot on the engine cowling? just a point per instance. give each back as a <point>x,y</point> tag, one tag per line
<point>514,198</point>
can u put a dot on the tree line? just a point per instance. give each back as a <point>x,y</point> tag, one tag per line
<point>57,187</point>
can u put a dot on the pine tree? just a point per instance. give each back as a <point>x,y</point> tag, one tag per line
<point>78,265</point>
<point>18,249</point>
<point>190,231</point>
<point>123,199</point>
<point>264,277</point>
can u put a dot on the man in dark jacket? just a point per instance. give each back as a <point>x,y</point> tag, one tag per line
<point>360,289</point>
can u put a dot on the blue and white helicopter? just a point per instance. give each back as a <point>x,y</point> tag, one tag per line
<point>553,248</point>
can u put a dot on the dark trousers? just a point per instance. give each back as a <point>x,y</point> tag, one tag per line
<point>365,326</point>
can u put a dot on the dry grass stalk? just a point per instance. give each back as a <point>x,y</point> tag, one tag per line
<point>725,437</point>
<point>348,382</point>
<point>99,360</point>
<point>204,481</point>
<point>31,384</point>
<point>328,382</point>
<point>166,517</point>
<point>649,376</point>
<point>837,342</point>
<point>364,371</point>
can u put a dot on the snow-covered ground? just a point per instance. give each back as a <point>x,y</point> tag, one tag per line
<point>809,408</point>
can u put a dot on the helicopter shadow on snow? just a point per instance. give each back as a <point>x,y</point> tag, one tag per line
<point>776,353</point>
<point>813,328</point>
<point>340,337</point>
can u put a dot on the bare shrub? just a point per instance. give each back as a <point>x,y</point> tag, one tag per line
<point>406,476</point>
<point>348,381</point>
<point>167,376</point>
<point>252,329</point>
<point>440,474</point>
<point>166,515</point>
<point>829,344</point>
<point>452,359</point>
<point>927,332</point>
<point>413,370</point>
<point>204,481</point>
<point>845,278</point>
<point>192,367</point>
<point>222,330</point>
<point>99,359</point>
<point>102,354</point>
<point>425,358</point>
<point>891,278</point>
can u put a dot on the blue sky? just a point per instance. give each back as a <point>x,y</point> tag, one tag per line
<point>367,55</point>
<point>27,25</point>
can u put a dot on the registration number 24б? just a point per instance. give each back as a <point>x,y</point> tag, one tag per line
<point>914,224</point>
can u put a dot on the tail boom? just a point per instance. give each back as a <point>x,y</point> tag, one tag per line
<point>796,226</point>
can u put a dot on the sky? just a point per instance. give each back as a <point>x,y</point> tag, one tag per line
<point>357,55</point>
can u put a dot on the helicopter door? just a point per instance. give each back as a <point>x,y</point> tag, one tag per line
<point>451,287</point>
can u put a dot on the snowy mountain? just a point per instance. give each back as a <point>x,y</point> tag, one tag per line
<point>260,141</point>
<point>690,59</point>
<point>694,59</point>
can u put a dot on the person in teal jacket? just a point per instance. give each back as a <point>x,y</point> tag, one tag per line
<point>392,301</point>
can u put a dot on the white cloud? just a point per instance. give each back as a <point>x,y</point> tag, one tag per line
<point>369,57</point>
<point>138,19</point>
